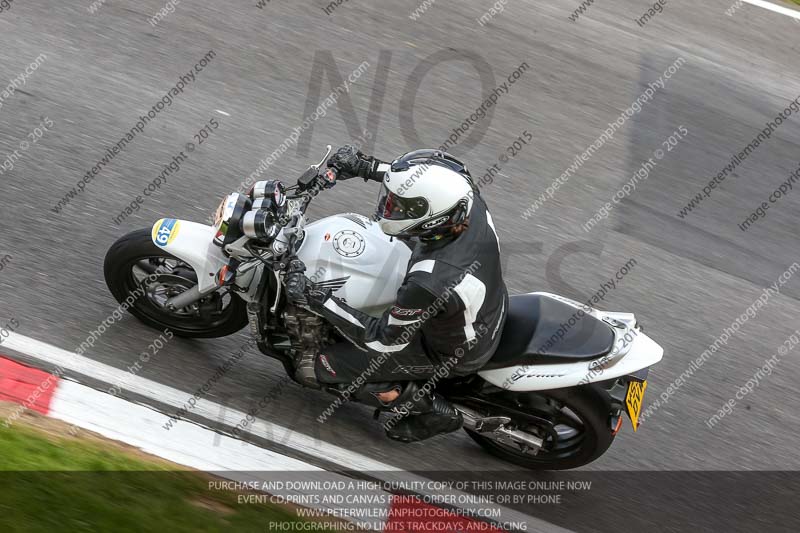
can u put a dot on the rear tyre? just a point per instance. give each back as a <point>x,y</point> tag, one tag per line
<point>583,435</point>
<point>127,265</point>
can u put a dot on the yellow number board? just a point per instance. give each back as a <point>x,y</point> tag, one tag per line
<point>633,401</point>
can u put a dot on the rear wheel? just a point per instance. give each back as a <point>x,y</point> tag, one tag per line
<point>573,423</point>
<point>146,276</point>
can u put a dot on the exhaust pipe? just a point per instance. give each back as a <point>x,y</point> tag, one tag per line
<point>494,427</point>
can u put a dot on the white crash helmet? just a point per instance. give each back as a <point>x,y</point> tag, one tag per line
<point>424,194</point>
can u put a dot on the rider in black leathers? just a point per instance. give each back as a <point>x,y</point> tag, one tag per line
<point>449,311</point>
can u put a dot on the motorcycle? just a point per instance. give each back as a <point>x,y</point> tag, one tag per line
<point>552,397</point>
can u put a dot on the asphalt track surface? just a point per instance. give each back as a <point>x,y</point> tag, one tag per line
<point>693,276</point>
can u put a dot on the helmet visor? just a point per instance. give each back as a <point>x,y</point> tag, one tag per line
<point>394,207</point>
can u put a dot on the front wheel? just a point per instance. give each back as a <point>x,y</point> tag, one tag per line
<point>143,277</point>
<point>574,424</point>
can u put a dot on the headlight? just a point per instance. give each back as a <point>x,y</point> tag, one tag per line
<point>229,225</point>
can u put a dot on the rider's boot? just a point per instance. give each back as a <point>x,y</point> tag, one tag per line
<point>439,417</point>
<point>419,414</point>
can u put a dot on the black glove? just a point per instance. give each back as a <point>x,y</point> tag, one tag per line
<point>296,282</point>
<point>299,289</point>
<point>350,163</point>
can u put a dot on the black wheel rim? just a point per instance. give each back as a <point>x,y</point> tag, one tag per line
<point>154,279</point>
<point>567,435</point>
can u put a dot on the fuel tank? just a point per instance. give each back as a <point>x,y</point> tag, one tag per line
<point>350,254</point>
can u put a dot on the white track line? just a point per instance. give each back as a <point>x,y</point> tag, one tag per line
<point>776,8</point>
<point>188,444</point>
<point>177,398</point>
<point>164,394</point>
<point>202,449</point>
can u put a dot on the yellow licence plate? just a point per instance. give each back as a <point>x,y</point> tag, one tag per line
<point>633,401</point>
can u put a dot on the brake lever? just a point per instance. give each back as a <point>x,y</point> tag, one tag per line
<point>324,159</point>
<point>308,179</point>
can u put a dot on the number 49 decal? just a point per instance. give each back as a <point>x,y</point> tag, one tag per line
<point>165,231</point>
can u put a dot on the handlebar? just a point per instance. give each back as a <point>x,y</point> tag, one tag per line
<point>270,216</point>
<point>312,179</point>
<point>331,175</point>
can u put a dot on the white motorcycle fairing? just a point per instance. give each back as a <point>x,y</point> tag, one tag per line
<point>193,243</point>
<point>633,351</point>
<point>350,254</point>
<point>347,253</point>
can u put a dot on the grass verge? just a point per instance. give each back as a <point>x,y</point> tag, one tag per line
<point>52,481</point>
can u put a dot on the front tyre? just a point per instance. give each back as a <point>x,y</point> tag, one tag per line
<point>579,432</point>
<point>145,276</point>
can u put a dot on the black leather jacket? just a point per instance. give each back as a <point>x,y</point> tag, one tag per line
<point>453,297</point>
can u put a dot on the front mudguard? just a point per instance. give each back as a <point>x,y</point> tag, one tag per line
<point>193,243</point>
